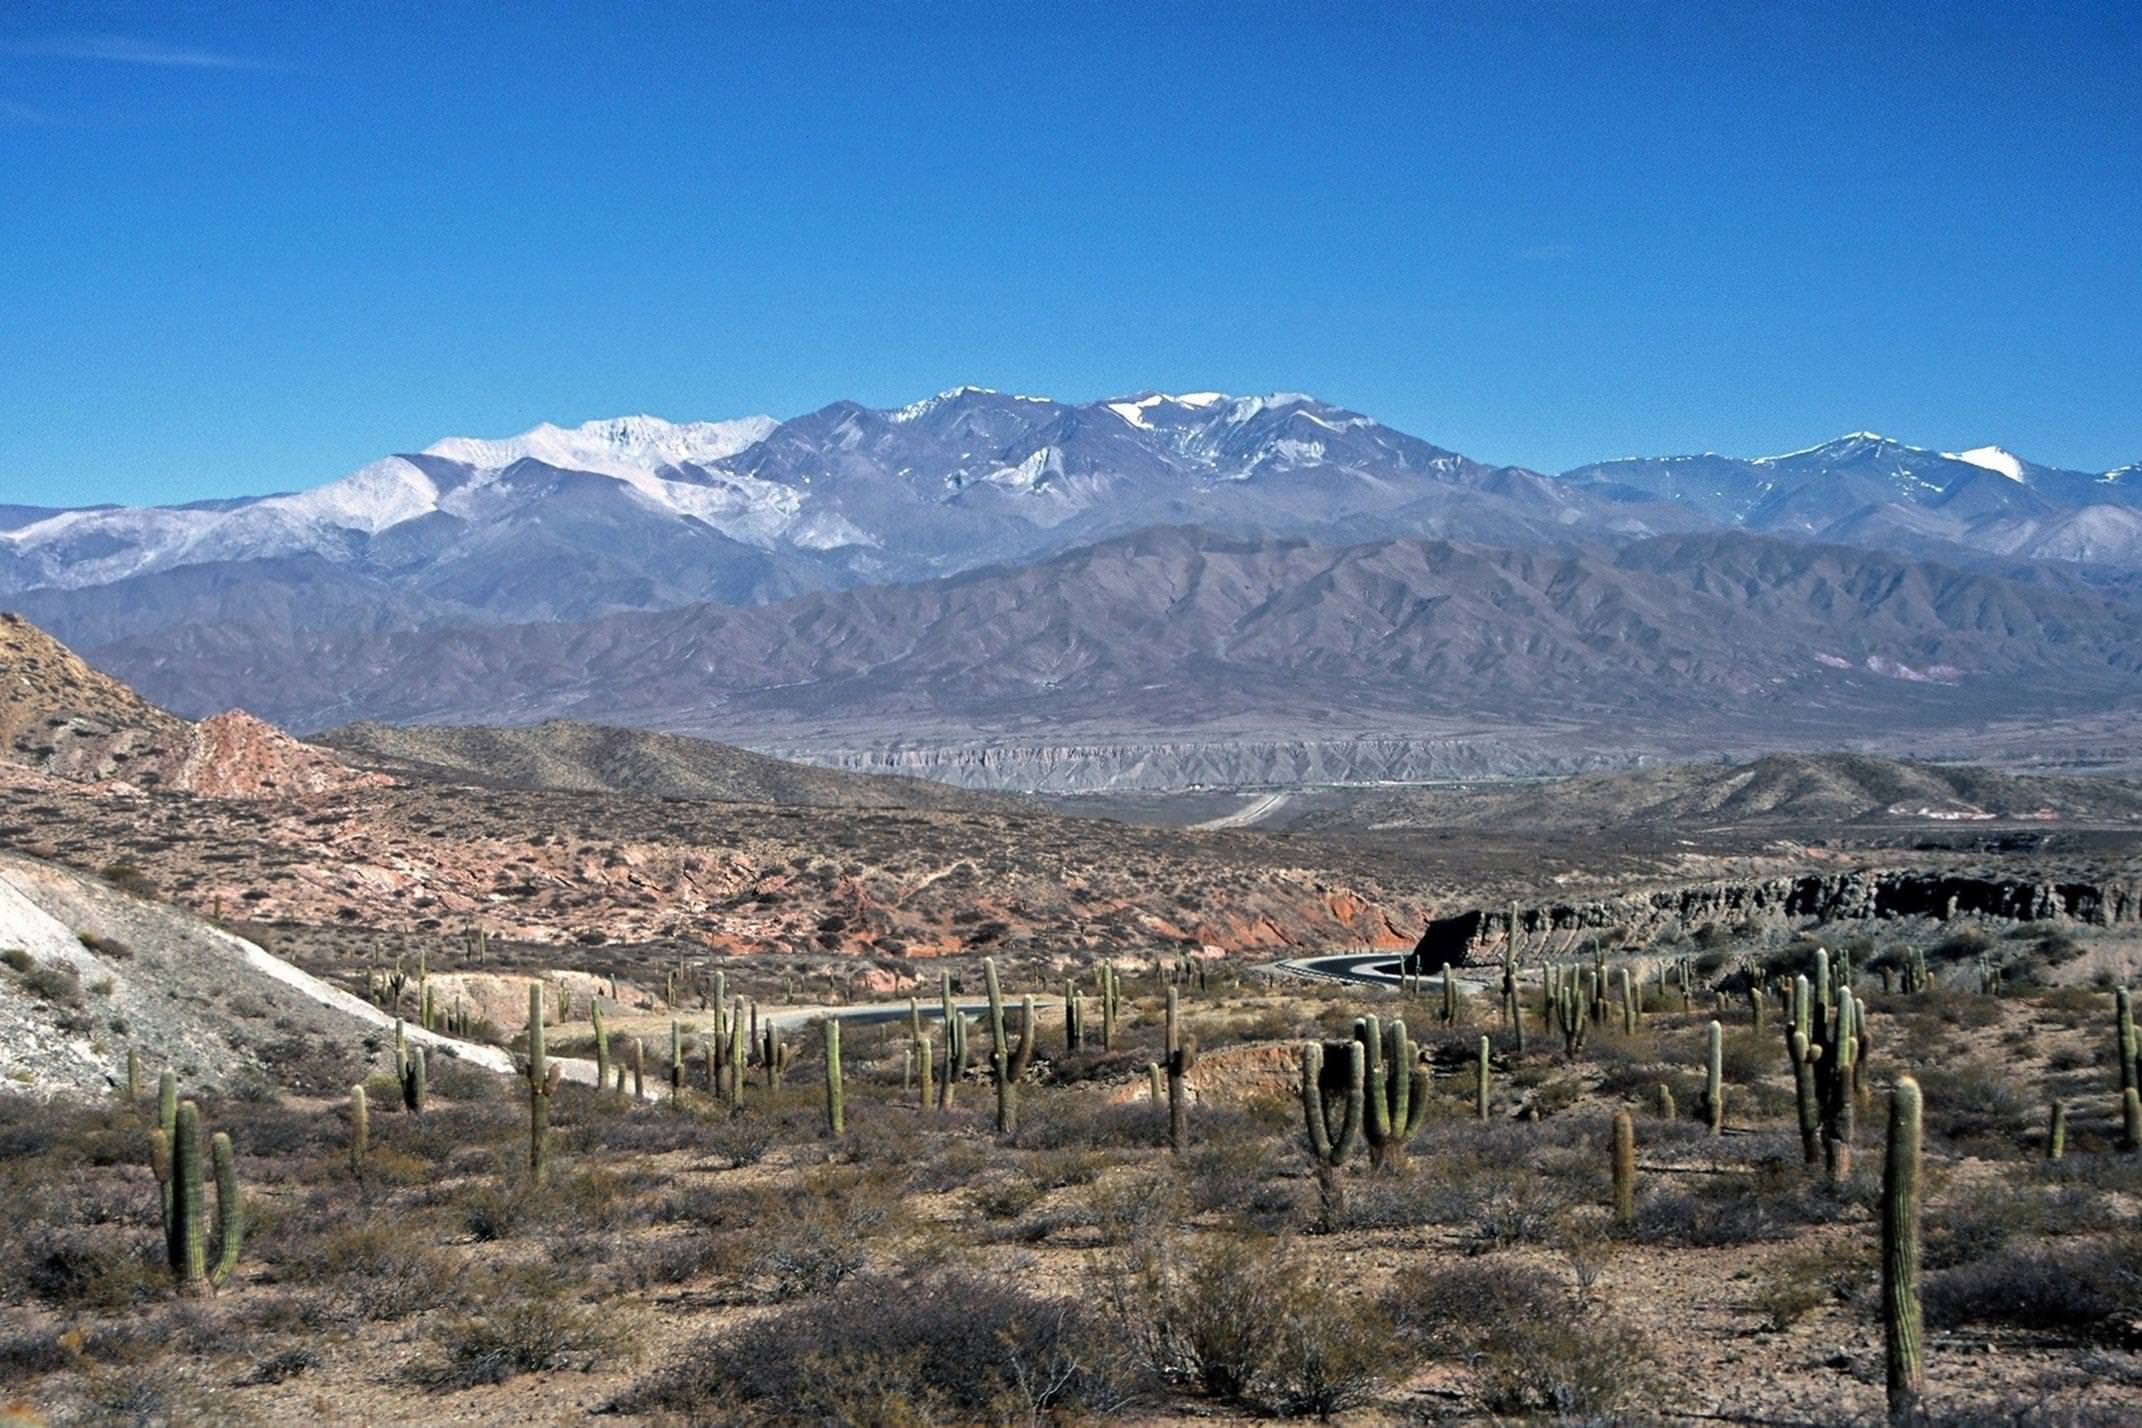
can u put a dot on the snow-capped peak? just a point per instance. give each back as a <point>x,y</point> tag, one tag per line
<point>1133,409</point>
<point>617,446</point>
<point>1850,438</point>
<point>1992,458</point>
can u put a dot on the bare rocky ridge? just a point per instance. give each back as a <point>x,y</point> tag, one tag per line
<point>593,758</point>
<point>61,718</point>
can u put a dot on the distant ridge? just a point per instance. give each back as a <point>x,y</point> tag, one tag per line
<point>561,754</point>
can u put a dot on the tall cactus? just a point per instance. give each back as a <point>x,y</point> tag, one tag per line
<point>1111,1004</point>
<point>1480,1082</point>
<point>1800,1045</point>
<point>176,1158</point>
<point>1331,1143</point>
<point>2056,1132</point>
<point>360,1131</point>
<point>602,1044</point>
<point>955,1042</point>
<point>775,1055</point>
<point>922,1062</point>
<point>1397,1089</point>
<point>1628,1003</point>
<point>1006,1064</point>
<point>1905,1352</point>
<point>676,1061</point>
<point>1570,1013</point>
<point>1826,1042</point>
<point>1624,1168</point>
<point>639,1068</point>
<point>1074,1017</point>
<point>2124,1019</point>
<point>1181,1060</point>
<point>413,1082</point>
<point>836,1110</point>
<point>1450,998</point>
<point>1714,1081</point>
<point>543,1076</point>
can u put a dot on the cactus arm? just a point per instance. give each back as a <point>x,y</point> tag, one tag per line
<point>230,1208</point>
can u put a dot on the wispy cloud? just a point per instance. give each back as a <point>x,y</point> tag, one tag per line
<point>13,113</point>
<point>128,49</point>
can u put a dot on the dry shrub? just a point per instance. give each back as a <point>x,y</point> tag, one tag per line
<point>952,1348</point>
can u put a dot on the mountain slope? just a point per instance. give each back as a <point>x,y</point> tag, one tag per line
<point>559,754</point>
<point>1779,789</point>
<point>61,719</point>
<point>1176,629</point>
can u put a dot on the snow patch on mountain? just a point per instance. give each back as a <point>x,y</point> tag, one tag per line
<point>1992,458</point>
<point>624,447</point>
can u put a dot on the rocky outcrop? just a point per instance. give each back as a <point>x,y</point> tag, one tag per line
<point>1480,935</point>
<point>62,719</point>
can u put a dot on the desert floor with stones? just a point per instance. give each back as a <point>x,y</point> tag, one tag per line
<point>724,1256</point>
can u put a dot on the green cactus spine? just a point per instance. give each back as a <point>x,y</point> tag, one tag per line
<point>1481,1074</point>
<point>1330,1141</point>
<point>1624,1168</point>
<point>1628,1003</point>
<point>1570,1014</point>
<point>2056,1133</point>
<point>836,1116</point>
<point>1905,1352</point>
<point>543,1077</point>
<point>922,1063</point>
<point>2130,1119</point>
<point>1074,1017</point>
<point>1182,1059</point>
<point>1397,1089</point>
<point>1450,998</point>
<point>1158,1083</point>
<point>676,1061</point>
<point>179,1165</point>
<point>739,1053</point>
<point>360,1131</point>
<point>955,1042</point>
<point>1662,1100</point>
<point>1714,1081</point>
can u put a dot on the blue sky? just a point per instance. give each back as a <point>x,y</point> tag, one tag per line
<point>243,249</point>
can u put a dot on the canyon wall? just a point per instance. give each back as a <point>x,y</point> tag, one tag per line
<point>1479,935</point>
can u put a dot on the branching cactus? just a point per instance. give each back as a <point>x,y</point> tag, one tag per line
<point>955,1042</point>
<point>176,1158</point>
<point>1397,1089</point>
<point>775,1055</point>
<point>1570,1014</point>
<point>1905,1351</point>
<point>1182,1059</point>
<point>836,1109</point>
<point>543,1076</point>
<point>1826,1056</point>
<point>1007,1065</point>
<point>1341,1079</point>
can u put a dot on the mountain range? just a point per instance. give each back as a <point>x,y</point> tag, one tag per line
<point>995,567</point>
<point>638,513</point>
